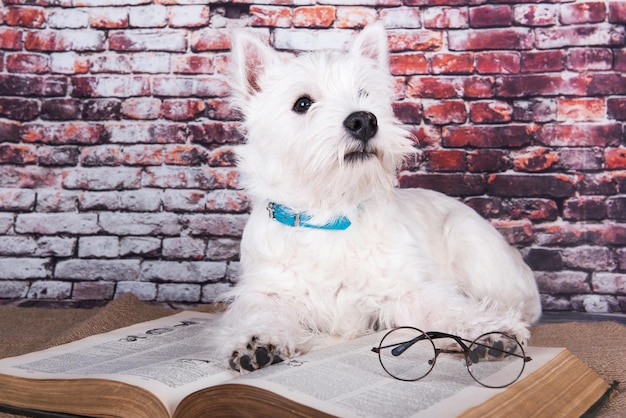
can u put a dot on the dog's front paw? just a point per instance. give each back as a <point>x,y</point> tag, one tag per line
<point>254,356</point>
<point>495,346</point>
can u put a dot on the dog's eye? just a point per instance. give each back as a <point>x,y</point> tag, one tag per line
<point>302,105</point>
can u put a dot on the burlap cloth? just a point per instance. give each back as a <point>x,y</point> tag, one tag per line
<point>602,345</point>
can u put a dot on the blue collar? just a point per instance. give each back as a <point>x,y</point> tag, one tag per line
<point>288,217</point>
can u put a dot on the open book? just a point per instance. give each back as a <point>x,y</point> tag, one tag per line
<point>162,369</point>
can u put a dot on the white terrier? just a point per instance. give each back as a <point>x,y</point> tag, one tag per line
<point>332,248</point>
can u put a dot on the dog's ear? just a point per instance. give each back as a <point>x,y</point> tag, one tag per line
<point>372,43</point>
<point>250,57</point>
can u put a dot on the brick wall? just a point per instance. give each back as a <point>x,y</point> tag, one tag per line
<point>116,162</point>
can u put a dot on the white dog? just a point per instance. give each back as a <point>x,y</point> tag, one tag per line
<point>332,248</point>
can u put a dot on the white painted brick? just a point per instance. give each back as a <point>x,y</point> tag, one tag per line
<point>142,200</point>
<point>57,223</point>
<point>64,62</point>
<point>233,271</point>
<point>17,199</point>
<point>84,39</point>
<point>611,283</point>
<point>6,222</point>
<point>54,246</point>
<point>110,15</point>
<point>50,289</point>
<point>186,271</point>
<point>184,248</point>
<point>211,292</point>
<point>98,246</point>
<point>312,39</point>
<point>146,246</point>
<point>17,245</point>
<point>23,268</point>
<point>223,249</point>
<point>99,201</point>
<point>153,16</point>
<point>150,62</point>
<point>216,224</point>
<point>104,3</point>
<point>142,290</point>
<point>595,303</point>
<point>11,289</point>
<point>94,269</point>
<point>109,63</point>
<point>54,200</point>
<point>103,178</point>
<point>68,18</point>
<point>140,223</point>
<point>188,16</point>
<point>184,200</point>
<point>179,292</point>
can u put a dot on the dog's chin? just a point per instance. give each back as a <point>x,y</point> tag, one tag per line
<point>358,156</point>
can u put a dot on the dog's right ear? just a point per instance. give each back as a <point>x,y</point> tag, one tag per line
<point>249,59</point>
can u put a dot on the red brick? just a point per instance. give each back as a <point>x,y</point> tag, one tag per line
<point>18,108</point>
<point>10,39</point>
<point>66,133</point>
<point>314,16</point>
<point>490,16</point>
<point>616,107</point>
<point>490,112</point>
<point>581,108</point>
<point>58,155</point>
<point>426,135</point>
<point>445,112</point>
<point>408,112</point>
<point>411,40</point>
<point>141,108</point>
<point>408,63</point>
<point>585,12</point>
<point>355,17</point>
<point>542,61</point>
<point>433,87</point>
<point>605,84</point>
<point>183,109</point>
<point>531,185</point>
<point>18,154</point>
<point>102,109</point>
<point>110,86</point>
<point>445,160</point>
<point>487,160</point>
<point>29,177</point>
<point>445,17</point>
<point>185,155</point>
<point>540,85</point>
<point>487,207</point>
<point>615,158</point>
<point>174,40</point>
<point>616,207</point>
<point>535,14</point>
<point>452,184</point>
<point>535,110</point>
<point>222,157</point>
<point>617,11</point>
<point>486,39</point>
<point>535,160</point>
<point>582,59</point>
<point>9,131</point>
<point>143,155</point>
<point>580,159</point>
<point>578,35</point>
<point>24,85</point>
<point>66,40</point>
<point>516,232</point>
<point>27,63</point>
<point>577,135</point>
<point>453,63</point>
<point>499,62</point>
<point>213,133</point>
<point>479,87</point>
<point>60,109</point>
<point>536,210</point>
<point>486,136</point>
<point>585,208</point>
<point>604,183</point>
<point>29,17</point>
<point>210,40</point>
<point>220,109</point>
<point>193,64</point>
<point>272,16</point>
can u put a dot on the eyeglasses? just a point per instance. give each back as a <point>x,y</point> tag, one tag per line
<point>494,359</point>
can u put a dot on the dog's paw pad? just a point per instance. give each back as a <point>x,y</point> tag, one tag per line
<point>255,356</point>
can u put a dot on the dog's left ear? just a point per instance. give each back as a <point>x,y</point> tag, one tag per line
<point>372,43</point>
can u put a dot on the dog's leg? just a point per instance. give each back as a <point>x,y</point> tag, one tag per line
<point>258,330</point>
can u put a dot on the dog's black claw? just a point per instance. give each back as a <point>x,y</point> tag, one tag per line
<point>246,363</point>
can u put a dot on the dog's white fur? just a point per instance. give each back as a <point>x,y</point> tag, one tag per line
<point>411,257</point>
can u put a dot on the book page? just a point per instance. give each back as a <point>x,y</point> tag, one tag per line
<point>347,380</point>
<point>170,357</point>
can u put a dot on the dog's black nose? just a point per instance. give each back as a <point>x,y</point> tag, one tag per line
<point>361,125</point>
